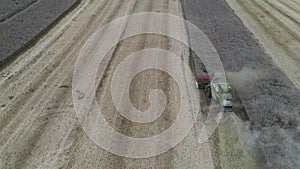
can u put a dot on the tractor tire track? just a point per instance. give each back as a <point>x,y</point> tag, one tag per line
<point>273,26</point>
<point>38,124</point>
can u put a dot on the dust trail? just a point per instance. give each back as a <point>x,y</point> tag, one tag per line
<point>272,143</point>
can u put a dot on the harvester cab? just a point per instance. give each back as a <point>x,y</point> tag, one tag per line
<point>220,91</point>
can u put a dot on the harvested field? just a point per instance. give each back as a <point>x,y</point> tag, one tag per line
<point>38,124</point>
<point>22,21</point>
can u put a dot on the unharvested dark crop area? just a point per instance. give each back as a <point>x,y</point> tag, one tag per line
<point>10,8</point>
<point>22,20</point>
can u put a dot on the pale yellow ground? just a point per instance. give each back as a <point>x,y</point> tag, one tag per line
<point>38,125</point>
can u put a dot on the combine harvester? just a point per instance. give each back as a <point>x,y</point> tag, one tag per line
<point>221,92</point>
<point>215,87</point>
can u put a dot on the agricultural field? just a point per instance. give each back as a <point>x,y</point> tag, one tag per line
<point>47,45</point>
<point>276,24</point>
<point>38,124</point>
<point>22,21</point>
<point>267,93</point>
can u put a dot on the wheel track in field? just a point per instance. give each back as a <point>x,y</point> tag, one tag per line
<point>265,6</point>
<point>64,65</point>
<point>106,73</point>
<point>39,128</point>
<point>33,55</point>
<point>296,2</point>
<point>294,7</point>
<point>276,25</point>
<point>34,82</point>
<point>64,68</point>
<point>283,14</point>
<point>273,25</point>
